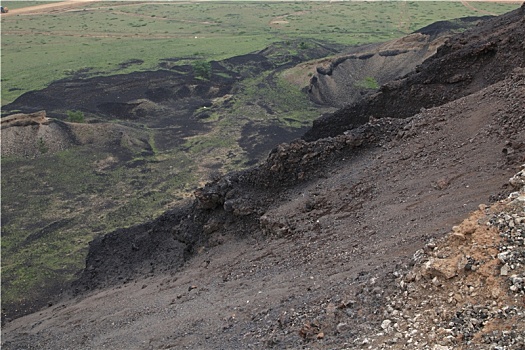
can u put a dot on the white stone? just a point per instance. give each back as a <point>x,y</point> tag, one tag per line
<point>386,325</point>
<point>440,347</point>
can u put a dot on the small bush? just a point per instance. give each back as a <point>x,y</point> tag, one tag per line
<point>202,69</point>
<point>304,46</point>
<point>42,147</point>
<point>75,116</point>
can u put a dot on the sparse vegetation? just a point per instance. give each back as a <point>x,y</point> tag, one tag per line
<point>70,46</point>
<point>20,4</point>
<point>42,147</point>
<point>367,83</point>
<point>75,199</point>
<point>202,69</point>
<point>75,116</point>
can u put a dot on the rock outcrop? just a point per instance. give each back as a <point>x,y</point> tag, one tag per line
<point>466,290</point>
<point>23,119</point>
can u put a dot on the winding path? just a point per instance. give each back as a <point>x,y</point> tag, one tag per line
<point>469,6</point>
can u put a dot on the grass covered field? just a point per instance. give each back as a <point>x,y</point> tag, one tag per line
<point>42,47</point>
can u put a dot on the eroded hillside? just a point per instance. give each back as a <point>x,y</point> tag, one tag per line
<point>335,242</point>
<point>119,150</point>
<point>465,64</point>
<point>359,73</point>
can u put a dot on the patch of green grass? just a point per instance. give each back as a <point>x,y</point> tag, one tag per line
<point>224,75</point>
<point>280,96</point>
<point>209,143</point>
<point>75,116</point>
<point>367,83</point>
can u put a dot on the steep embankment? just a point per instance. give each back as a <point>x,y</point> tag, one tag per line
<point>354,76</point>
<point>465,64</point>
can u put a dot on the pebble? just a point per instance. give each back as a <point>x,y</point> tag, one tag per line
<point>504,270</point>
<point>386,324</point>
<point>341,327</point>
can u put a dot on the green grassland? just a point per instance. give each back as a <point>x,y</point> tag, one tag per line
<point>38,49</point>
<point>53,205</point>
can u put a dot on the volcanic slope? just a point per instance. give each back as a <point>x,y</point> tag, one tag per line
<point>150,137</point>
<point>307,249</point>
<point>465,64</point>
<point>358,73</point>
<point>282,266</point>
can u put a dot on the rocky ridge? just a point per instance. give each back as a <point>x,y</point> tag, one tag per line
<point>357,74</point>
<point>466,63</point>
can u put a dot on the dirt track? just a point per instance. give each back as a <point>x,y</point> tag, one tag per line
<point>51,7</point>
